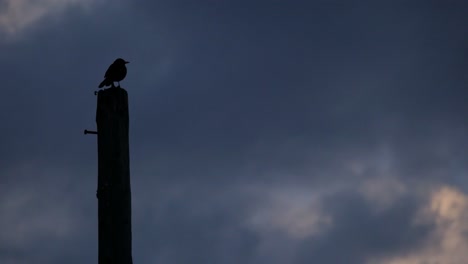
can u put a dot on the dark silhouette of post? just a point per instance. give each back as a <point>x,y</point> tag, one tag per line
<point>113,192</point>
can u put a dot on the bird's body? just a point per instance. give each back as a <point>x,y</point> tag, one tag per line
<point>115,73</point>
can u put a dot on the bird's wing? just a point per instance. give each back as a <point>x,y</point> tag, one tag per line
<point>109,70</point>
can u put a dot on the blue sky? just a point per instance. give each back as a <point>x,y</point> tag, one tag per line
<point>261,131</point>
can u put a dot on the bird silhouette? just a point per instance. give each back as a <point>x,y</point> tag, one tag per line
<point>115,73</point>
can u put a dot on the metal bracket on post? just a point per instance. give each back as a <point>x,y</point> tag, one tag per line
<point>90,132</point>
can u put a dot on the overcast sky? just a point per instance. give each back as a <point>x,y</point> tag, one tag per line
<point>262,132</point>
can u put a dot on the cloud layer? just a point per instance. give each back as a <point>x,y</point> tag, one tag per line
<point>17,15</point>
<point>260,132</point>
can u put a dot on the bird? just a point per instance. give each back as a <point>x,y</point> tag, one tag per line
<point>115,73</point>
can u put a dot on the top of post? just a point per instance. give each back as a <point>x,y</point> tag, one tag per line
<point>112,91</point>
<point>112,101</point>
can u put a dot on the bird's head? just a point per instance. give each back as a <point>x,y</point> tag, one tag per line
<point>121,61</point>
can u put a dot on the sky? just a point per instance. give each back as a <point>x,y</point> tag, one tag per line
<point>260,131</point>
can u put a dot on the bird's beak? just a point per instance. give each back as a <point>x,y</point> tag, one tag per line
<point>127,62</point>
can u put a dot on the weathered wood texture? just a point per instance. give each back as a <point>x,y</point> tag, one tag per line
<point>114,195</point>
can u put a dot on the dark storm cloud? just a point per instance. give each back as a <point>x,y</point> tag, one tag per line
<point>360,234</point>
<point>237,92</point>
<point>197,225</point>
<point>202,224</point>
<point>328,77</point>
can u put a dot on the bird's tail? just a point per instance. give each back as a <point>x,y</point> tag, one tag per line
<point>102,83</point>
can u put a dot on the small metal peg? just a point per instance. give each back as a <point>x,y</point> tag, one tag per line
<point>90,132</point>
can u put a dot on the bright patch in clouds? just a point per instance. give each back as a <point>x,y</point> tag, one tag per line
<point>16,15</point>
<point>447,209</point>
<point>383,192</point>
<point>292,211</point>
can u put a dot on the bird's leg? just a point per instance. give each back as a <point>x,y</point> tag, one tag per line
<point>118,84</point>
<point>112,86</point>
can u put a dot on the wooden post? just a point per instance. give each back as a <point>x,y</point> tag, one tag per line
<point>113,192</point>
